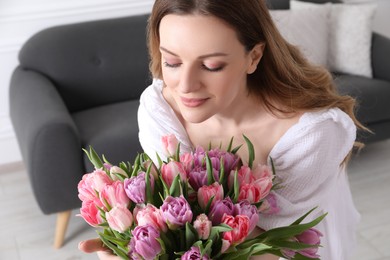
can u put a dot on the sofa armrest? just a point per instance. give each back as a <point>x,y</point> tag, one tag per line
<point>381,56</point>
<point>42,122</point>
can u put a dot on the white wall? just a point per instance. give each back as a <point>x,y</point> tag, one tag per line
<point>20,19</point>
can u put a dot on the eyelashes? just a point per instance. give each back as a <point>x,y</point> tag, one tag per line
<point>177,65</point>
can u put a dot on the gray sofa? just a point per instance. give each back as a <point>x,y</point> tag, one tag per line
<point>79,85</point>
<point>372,94</point>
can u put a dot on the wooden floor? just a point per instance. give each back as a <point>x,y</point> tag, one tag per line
<point>25,233</point>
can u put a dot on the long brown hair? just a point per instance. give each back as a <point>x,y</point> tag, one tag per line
<point>283,75</point>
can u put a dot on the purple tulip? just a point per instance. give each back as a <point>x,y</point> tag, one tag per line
<point>135,187</point>
<point>230,160</point>
<point>194,254</point>
<point>176,212</point>
<point>198,177</point>
<point>269,205</point>
<point>220,208</point>
<point>144,243</point>
<point>310,237</point>
<point>247,209</point>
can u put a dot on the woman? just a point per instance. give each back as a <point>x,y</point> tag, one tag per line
<point>222,69</point>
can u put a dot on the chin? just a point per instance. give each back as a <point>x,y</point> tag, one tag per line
<point>195,118</point>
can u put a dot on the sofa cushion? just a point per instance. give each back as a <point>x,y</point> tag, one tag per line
<point>349,36</point>
<point>110,129</point>
<point>307,29</point>
<point>372,96</point>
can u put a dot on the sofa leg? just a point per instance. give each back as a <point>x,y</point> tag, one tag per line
<point>62,225</point>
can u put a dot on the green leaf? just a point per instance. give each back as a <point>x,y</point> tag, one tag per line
<point>235,150</point>
<point>107,241</point>
<point>136,166</point>
<point>165,188</point>
<point>206,250</point>
<point>160,162</point>
<point>229,148</point>
<point>94,158</point>
<point>251,152</point>
<point>177,154</point>
<point>236,187</point>
<point>299,220</point>
<point>222,228</point>
<point>105,160</point>
<point>290,244</point>
<point>209,168</point>
<point>208,205</point>
<point>288,231</point>
<point>246,253</point>
<point>148,186</point>
<point>175,189</point>
<point>222,173</point>
<point>125,167</point>
<point>191,235</point>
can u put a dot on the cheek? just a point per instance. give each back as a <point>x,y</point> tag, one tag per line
<point>170,78</point>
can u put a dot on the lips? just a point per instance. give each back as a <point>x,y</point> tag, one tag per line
<point>193,102</point>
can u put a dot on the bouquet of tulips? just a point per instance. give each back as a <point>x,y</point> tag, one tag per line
<point>198,205</point>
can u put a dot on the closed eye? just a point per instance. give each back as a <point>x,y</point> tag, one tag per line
<point>216,69</point>
<point>168,65</point>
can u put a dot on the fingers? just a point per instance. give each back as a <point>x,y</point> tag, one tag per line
<point>104,255</point>
<point>91,245</point>
<point>96,245</point>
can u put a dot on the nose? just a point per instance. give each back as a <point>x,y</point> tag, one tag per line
<point>189,80</point>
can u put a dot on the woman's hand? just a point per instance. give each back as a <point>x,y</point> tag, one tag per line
<point>96,245</point>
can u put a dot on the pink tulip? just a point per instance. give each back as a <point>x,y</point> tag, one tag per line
<point>114,194</point>
<point>262,171</point>
<point>205,193</point>
<point>119,218</point>
<point>99,179</point>
<point>90,213</point>
<point>169,143</point>
<point>170,170</point>
<point>150,215</point>
<point>240,228</point>
<point>202,224</point>
<point>244,175</point>
<point>256,191</point>
<point>187,160</point>
<point>85,188</point>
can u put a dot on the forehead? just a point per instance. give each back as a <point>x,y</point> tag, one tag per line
<point>197,33</point>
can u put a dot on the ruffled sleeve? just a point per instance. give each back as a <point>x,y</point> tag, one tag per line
<point>156,119</point>
<point>308,160</point>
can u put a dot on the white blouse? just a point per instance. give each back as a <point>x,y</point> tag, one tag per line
<point>307,160</point>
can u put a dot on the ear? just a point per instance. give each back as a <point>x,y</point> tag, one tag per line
<point>255,56</point>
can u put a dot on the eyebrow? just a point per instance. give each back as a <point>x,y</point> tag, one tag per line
<point>214,54</point>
